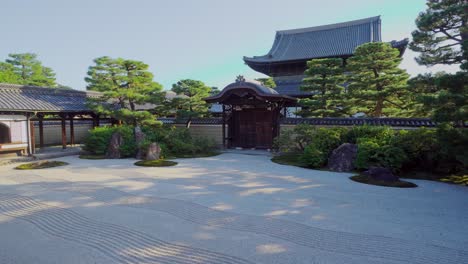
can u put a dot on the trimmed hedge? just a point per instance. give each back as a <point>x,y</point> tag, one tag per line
<point>440,151</point>
<point>174,142</point>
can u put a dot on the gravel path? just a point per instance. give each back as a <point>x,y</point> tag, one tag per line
<point>231,208</point>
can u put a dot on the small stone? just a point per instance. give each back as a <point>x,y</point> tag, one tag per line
<point>342,158</point>
<point>113,150</point>
<point>153,152</point>
<point>381,174</point>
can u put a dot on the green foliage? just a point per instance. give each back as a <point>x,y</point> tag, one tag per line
<point>460,180</point>
<point>382,133</point>
<point>377,87</point>
<point>8,74</point>
<point>124,84</point>
<point>449,103</point>
<point>375,152</point>
<point>324,80</point>
<point>155,163</point>
<point>323,141</point>
<point>419,87</point>
<point>442,33</point>
<point>453,142</point>
<point>25,68</point>
<point>267,82</point>
<point>173,141</point>
<point>294,140</point>
<point>190,103</point>
<point>367,180</point>
<point>41,165</point>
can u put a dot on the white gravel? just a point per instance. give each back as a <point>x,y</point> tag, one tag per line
<point>230,208</point>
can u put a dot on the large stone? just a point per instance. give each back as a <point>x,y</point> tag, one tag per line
<point>139,139</point>
<point>381,174</point>
<point>153,152</point>
<point>113,150</point>
<point>342,158</point>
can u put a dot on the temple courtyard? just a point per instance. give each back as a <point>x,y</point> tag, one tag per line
<point>232,208</point>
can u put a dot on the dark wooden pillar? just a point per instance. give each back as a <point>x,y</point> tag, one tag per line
<point>41,130</point>
<point>224,126</point>
<point>72,130</point>
<point>64,132</point>
<point>33,137</point>
<point>95,120</point>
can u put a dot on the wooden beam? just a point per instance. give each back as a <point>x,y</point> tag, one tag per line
<point>224,126</point>
<point>72,130</point>
<point>41,131</point>
<point>64,133</point>
<point>33,137</point>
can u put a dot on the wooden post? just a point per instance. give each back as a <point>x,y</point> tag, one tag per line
<point>33,137</point>
<point>41,131</point>
<point>72,130</point>
<point>64,133</point>
<point>224,126</point>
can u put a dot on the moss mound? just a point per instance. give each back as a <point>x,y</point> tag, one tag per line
<point>155,163</point>
<point>87,156</point>
<point>41,165</point>
<point>292,159</point>
<point>197,155</point>
<point>398,184</point>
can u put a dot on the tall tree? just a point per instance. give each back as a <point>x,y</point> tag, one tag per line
<point>8,74</point>
<point>125,84</point>
<point>442,33</point>
<point>30,70</point>
<point>191,103</point>
<point>268,82</point>
<point>450,100</point>
<point>325,82</point>
<point>376,84</point>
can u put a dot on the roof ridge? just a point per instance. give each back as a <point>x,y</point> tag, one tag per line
<point>47,89</point>
<point>329,26</point>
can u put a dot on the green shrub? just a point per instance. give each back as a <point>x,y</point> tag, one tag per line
<point>381,133</point>
<point>98,139</point>
<point>173,141</point>
<point>375,152</point>
<point>322,142</point>
<point>285,142</point>
<point>453,152</point>
<point>313,157</point>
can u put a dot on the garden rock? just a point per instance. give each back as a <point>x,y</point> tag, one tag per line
<point>113,150</point>
<point>153,152</point>
<point>381,174</point>
<point>342,158</point>
<point>139,138</point>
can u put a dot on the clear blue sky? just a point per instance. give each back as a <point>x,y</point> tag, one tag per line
<point>203,39</point>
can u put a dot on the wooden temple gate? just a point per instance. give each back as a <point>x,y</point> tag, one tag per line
<point>251,113</point>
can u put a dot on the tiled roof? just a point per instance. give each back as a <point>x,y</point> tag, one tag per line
<point>396,122</point>
<point>195,121</point>
<point>290,86</point>
<point>323,41</point>
<point>32,98</point>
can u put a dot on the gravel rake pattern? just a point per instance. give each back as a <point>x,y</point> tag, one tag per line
<point>373,246</point>
<point>120,244</point>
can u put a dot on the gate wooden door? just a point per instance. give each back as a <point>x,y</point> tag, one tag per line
<point>254,129</point>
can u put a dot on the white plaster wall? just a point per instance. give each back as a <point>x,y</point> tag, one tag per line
<point>18,127</point>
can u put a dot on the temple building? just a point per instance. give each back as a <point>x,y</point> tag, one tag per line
<point>287,59</point>
<point>252,113</point>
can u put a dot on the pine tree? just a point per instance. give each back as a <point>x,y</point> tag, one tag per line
<point>442,33</point>
<point>377,86</point>
<point>30,70</point>
<point>325,82</point>
<point>125,84</point>
<point>450,101</point>
<point>190,102</point>
<point>8,74</point>
<point>267,82</point>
